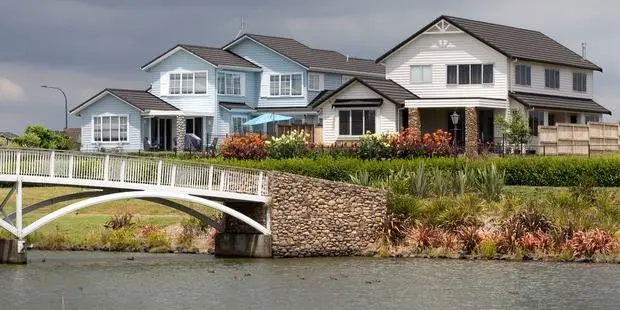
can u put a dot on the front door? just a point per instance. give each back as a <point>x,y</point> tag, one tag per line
<point>486,125</point>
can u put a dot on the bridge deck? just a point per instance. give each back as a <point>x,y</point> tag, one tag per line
<point>132,173</point>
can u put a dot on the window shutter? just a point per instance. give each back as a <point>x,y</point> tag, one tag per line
<point>264,84</point>
<point>164,84</point>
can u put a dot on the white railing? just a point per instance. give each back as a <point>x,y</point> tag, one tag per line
<point>134,170</point>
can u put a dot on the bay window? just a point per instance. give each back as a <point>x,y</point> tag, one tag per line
<point>229,83</point>
<point>285,84</point>
<point>188,83</point>
<point>356,122</point>
<point>110,128</point>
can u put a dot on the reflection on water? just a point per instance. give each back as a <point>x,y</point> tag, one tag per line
<point>142,281</point>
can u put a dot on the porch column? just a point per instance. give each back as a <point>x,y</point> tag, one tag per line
<point>181,130</point>
<point>414,121</point>
<point>471,132</point>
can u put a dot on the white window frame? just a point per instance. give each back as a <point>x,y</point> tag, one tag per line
<point>290,84</point>
<point>422,67</point>
<point>319,77</point>
<point>585,84</point>
<point>376,110</point>
<point>102,116</point>
<point>470,84</point>
<point>241,88</point>
<point>193,73</point>
<point>232,123</point>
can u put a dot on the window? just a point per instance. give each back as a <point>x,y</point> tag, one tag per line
<point>421,74</point>
<point>314,81</point>
<point>536,118</point>
<point>111,128</point>
<point>574,118</point>
<point>593,118</point>
<point>237,123</point>
<point>580,81</point>
<point>463,74</point>
<point>487,71</point>
<point>452,75</point>
<point>552,78</point>
<point>523,75</point>
<point>469,74</point>
<point>356,122</point>
<point>229,83</point>
<point>285,85</point>
<point>188,83</point>
<point>551,119</point>
<point>476,74</point>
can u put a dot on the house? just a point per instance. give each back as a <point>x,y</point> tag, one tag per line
<point>6,137</point>
<point>211,92</point>
<point>477,69</point>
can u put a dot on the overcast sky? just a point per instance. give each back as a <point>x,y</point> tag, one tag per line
<point>83,46</point>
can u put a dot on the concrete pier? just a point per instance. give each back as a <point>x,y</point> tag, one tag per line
<point>243,245</point>
<point>9,253</point>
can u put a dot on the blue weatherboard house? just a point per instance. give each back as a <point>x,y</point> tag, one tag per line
<point>210,92</point>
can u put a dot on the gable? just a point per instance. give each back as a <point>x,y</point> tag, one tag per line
<point>180,60</point>
<point>107,103</point>
<point>264,57</point>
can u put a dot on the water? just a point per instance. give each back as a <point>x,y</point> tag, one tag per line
<point>111,281</point>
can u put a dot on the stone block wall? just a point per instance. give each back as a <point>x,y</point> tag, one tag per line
<point>471,132</point>
<point>256,211</point>
<point>181,130</point>
<point>314,217</point>
<point>415,123</point>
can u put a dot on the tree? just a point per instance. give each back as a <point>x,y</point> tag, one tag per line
<point>37,136</point>
<point>515,128</point>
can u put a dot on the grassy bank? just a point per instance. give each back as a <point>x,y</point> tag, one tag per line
<point>128,225</point>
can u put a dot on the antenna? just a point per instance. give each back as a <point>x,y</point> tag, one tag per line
<point>584,46</point>
<point>241,27</point>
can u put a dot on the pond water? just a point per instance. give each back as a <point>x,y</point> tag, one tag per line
<point>95,280</point>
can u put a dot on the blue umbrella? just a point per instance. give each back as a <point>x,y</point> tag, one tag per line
<point>267,118</point>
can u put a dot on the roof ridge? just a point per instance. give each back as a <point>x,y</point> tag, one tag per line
<point>125,89</point>
<point>489,23</point>
<point>201,46</point>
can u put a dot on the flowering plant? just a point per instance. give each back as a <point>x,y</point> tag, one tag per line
<point>289,145</point>
<point>250,146</point>
<point>407,144</point>
<point>374,146</point>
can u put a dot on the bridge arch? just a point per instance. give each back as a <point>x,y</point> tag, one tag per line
<point>147,195</point>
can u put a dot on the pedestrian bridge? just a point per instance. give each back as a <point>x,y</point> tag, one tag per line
<point>119,177</point>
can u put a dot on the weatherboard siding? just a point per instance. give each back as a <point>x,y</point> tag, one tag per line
<point>331,81</point>
<point>385,116</point>
<point>249,89</point>
<point>183,61</point>
<point>461,49</point>
<point>110,105</point>
<point>272,63</point>
<point>566,81</point>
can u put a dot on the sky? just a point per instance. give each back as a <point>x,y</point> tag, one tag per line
<point>83,46</point>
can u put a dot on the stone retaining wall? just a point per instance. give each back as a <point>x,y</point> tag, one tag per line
<point>255,211</point>
<point>314,217</point>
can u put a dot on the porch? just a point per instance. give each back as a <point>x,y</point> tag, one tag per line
<point>168,132</point>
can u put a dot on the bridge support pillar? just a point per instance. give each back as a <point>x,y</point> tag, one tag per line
<point>10,254</point>
<point>243,245</point>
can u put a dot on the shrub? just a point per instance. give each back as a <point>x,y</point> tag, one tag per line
<point>250,146</point>
<point>490,182</point>
<point>588,243</point>
<point>190,229</point>
<point>533,242</point>
<point>423,237</point>
<point>374,146</point>
<point>154,238</point>
<point>361,178</point>
<point>123,239</point>
<point>441,182</point>
<point>407,143</point>
<point>53,240</point>
<point>119,221</point>
<point>417,182</point>
<point>37,136</point>
<point>487,248</point>
<point>469,238</point>
<point>394,230</point>
<point>404,205</point>
<point>289,145</point>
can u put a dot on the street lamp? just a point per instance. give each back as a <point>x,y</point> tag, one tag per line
<point>66,108</point>
<point>455,121</point>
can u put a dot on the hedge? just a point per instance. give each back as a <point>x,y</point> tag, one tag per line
<point>528,170</point>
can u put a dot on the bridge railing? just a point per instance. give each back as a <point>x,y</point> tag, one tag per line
<point>127,169</point>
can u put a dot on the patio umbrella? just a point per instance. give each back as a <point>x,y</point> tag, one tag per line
<point>267,118</point>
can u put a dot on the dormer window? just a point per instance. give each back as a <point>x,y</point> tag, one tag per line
<point>188,83</point>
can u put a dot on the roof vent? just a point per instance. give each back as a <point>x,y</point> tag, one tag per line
<point>583,50</point>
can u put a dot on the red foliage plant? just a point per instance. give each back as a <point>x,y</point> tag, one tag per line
<point>588,243</point>
<point>532,242</point>
<point>249,146</point>
<point>407,144</point>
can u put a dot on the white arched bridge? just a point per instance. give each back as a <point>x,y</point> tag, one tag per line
<point>116,177</point>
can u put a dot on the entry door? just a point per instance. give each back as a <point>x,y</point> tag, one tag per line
<point>486,128</point>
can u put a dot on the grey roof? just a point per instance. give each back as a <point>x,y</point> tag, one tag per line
<point>214,55</point>
<point>140,99</point>
<point>234,105</point>
<point>558,103</point>
<point>321,97</point>
<point>388,89</point>
<point>313,58</point>
<point>513,42</point>
<point>8,135</point>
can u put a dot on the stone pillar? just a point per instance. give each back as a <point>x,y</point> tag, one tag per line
<point>471,132</point>
<point>415,122</point>
<point>256,211</point>
<point>240,239</point>
<point>180,133</point>
<point>9,253</point>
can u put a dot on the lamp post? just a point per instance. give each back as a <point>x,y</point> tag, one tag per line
<point>455,121</point>
<point>66,108</point>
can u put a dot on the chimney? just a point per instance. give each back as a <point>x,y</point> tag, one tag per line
<point>583,50</point>
<point>347,58</point>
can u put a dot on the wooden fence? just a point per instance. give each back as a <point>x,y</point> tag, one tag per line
<point>578,139</point>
